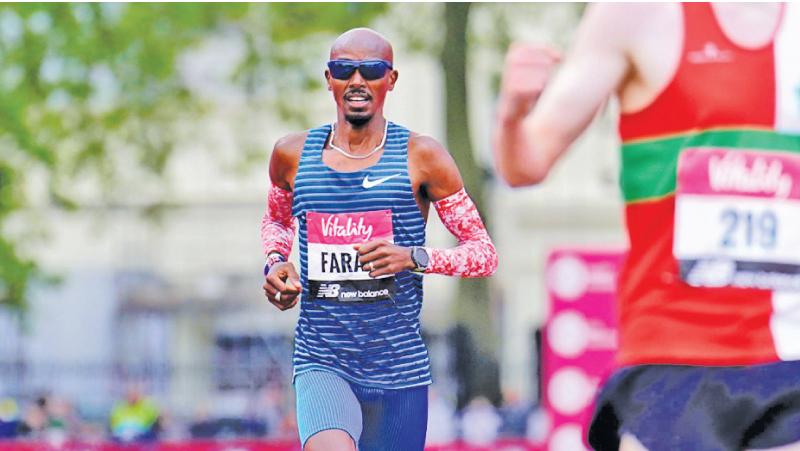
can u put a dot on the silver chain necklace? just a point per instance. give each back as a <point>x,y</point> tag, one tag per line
<point>357,157</point>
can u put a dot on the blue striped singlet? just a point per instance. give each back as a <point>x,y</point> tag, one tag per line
<point>366,330</point>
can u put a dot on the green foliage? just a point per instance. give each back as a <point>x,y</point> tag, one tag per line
<point>286,45</point>
<point>288,21</point>
<point>15,275</point>
<point>74,80</point>
<point>81,83</point>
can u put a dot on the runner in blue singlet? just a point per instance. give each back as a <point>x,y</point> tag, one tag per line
<point>360,190</point>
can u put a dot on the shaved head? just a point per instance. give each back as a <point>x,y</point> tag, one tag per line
<point>360,97</point>
<point>360,43</point>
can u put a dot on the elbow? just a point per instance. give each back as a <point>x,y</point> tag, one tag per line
<point>493,263</point>
<point>530,164</point>
<point>519,173</point>
<point>521,182</point>
<point>490,263</point>
<point>519,179</point>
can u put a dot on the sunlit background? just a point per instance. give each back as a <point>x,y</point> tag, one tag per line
<point>134,142</point>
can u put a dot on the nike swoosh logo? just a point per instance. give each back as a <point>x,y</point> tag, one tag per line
<point>367,184</point>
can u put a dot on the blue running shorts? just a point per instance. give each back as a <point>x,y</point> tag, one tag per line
<point>670,407</point>
<point>377,419</point>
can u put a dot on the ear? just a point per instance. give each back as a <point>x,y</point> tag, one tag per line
<point>393,79</point>
<point>328,79</point>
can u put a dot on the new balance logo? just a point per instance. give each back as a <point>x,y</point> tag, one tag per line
<point>367,184</point>
<point>710,53</point>
<point>711,273</point>
<point>328,290</point>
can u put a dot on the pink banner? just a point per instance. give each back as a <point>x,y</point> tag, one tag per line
<point>739,173</point>
<point>349,228</point>
<point>233,445</point>
<point>580,340</point>
<point>188,445</point>
<point>500,445</point>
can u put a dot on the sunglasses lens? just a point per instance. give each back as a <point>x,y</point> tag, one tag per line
<point>372,70</point>
<point>341,70</point>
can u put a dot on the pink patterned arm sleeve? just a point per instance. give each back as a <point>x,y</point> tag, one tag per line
<point>277,226</point>
<point>475,255</point>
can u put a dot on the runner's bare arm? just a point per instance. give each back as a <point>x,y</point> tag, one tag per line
<point>285,159</point>
<point>527,142</point>
<point>436,175</point>
<point>277,225</point>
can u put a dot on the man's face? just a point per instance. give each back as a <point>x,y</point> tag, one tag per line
<point>357,97</point>
<point>133,394</point>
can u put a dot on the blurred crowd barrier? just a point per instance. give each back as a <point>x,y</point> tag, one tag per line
<point>137,420</point>
<point>240,399</point>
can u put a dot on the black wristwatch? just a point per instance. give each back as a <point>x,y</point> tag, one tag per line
<point>420,258</point>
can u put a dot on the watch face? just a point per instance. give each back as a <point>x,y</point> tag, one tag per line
<point>421,257</point>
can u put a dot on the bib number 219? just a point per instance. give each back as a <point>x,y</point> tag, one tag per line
<point>748,228</point>
<point>737,218</point>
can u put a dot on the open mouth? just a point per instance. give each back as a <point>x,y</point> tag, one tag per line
<point>357,100</point>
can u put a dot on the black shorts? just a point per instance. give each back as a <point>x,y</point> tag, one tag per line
<point>670,407</point>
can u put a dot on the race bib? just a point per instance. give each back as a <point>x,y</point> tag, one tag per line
<point>334,270</point>
<point>737,218</point>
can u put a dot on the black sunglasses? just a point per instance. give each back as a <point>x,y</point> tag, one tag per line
<point>369,69</point>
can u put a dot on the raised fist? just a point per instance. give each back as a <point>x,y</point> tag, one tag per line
<point>525,74</point>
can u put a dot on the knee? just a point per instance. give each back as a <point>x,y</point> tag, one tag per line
<point>630,443</point>
<point>330,440</point>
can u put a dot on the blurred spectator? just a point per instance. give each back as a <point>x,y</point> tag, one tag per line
<point>34,420</point>
<point>135,418</point>
<point>441,420</point>
<point>225,423</point>
<point>514,414</point>
<point>273,404</point>
<point>228,428</point>
<point>480,422</point>
<point>48,418</point>
<point>9,418</point>
<point>539,425</point>
<point>288,426</point>
<point>61,421</point>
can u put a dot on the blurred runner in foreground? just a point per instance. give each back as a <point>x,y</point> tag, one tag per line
<point>360,189</point>
<point>710,128</point>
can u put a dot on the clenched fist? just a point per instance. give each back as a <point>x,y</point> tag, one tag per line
<point>282,285</point>
<point>525,74</point>
<point>382,258</point>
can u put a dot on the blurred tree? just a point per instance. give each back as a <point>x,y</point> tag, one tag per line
<point>472,308</point>
<point>90,89</point>
<point>76,80</point>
